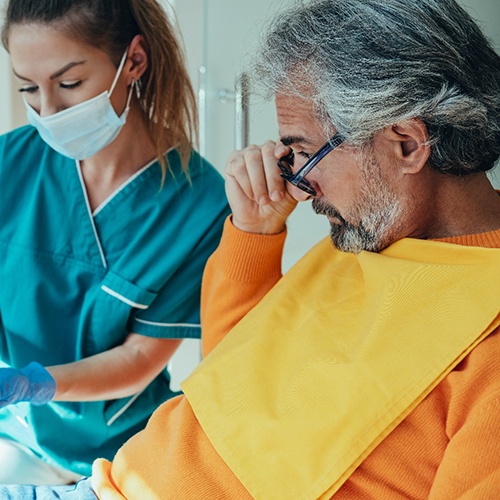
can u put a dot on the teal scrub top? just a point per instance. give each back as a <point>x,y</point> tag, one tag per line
<point>76,283</point>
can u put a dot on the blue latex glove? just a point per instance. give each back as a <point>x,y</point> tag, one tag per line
<point>33,383</point>
<point>79,491</point>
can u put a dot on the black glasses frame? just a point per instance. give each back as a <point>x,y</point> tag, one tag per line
<point>285,164</point>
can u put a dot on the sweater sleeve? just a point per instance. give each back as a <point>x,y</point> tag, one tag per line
<point>470,467</point>
<point>172,458</point>
<point>241,271</point>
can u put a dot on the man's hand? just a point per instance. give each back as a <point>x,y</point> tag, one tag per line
<point>33,383</point>
<point>257,194</point>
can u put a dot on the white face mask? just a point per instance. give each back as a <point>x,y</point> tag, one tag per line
<point>82,130</point>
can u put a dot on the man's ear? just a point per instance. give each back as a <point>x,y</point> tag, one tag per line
<point>137,59</point>
<point>410,144</point>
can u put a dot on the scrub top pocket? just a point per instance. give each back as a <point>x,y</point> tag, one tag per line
<point>115,300</point>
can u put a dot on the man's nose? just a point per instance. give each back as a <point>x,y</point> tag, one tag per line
<point>298,193</point>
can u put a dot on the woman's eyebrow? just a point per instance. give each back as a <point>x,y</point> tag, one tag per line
<point>65,68</point>
<point>56,74</point>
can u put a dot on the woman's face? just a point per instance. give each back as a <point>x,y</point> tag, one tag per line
<point>55,72</point>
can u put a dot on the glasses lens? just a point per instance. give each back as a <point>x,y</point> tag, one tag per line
<point>285,164</point>
<point>305,186</point>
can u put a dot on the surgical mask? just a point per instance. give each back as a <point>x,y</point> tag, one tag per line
<point>82,130</point>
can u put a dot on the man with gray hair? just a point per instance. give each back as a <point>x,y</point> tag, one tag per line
<point>371,369</point>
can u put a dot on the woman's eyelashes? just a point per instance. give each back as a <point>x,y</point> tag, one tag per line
<point>29,90</point>
<point>66,86</point>
<point>70,86</point>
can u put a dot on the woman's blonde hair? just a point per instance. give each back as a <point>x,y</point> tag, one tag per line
<point>167,98</point>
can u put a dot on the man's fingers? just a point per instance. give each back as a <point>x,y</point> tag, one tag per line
<point>256,167</point>
<point>236,168</point>
<point>275,184</point>
<point>256,172</point>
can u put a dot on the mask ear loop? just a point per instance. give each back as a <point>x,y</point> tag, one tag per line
<point>119,70</point>
<point>132,85</point>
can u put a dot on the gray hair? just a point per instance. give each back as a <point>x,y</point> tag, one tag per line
<point>367,64</point>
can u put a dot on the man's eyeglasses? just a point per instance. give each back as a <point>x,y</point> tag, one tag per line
<point>286,165</point>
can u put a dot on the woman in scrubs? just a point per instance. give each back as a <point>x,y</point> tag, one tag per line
<point>107,217</point>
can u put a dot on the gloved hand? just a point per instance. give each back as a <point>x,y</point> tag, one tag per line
<point>82,490</point>
<point>33,383</point>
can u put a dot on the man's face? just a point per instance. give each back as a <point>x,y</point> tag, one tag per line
<point>353,186</point>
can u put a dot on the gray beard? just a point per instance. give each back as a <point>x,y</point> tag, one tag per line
<point>376,214</point>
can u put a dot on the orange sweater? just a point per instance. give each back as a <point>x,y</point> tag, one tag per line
<point>446,448</point>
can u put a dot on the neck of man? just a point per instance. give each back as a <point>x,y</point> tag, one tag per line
<point>459,206</point>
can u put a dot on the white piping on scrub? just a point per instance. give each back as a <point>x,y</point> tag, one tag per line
<point>122,298</point>
<point>122,187</point>
<point>90,214</point>
<point>126,183</point>
<point>154,323</point>
<point>122,410</point>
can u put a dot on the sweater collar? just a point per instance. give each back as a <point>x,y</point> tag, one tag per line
<point>491,239</point>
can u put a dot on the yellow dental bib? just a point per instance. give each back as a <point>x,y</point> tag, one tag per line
<point>336,356</point>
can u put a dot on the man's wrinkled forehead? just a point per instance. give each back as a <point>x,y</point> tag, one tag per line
<point>297,120</point>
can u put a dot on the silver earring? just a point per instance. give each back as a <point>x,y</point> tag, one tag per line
<point>137,84</point>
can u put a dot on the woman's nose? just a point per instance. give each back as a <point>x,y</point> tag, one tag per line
<point>48,106</point>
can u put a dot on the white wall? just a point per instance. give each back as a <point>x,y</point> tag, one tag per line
<point>6,100</point>
<point>5,89</point>
<point>487,15</point>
